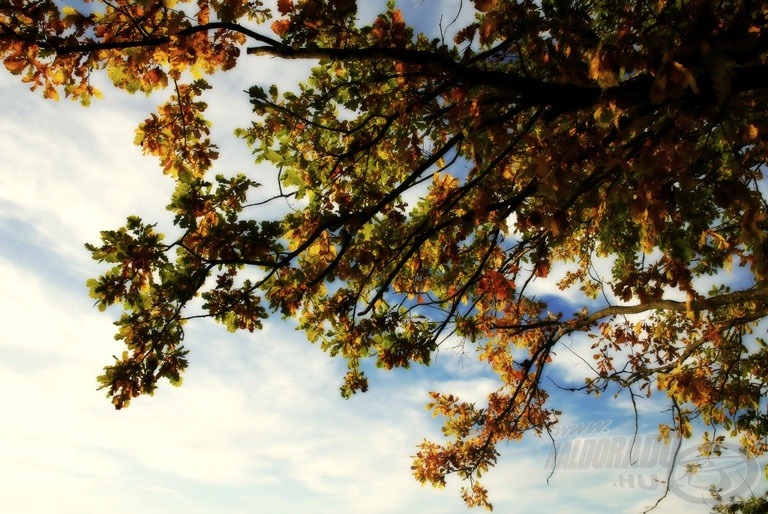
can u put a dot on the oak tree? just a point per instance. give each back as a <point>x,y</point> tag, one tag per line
<point>614,147</point>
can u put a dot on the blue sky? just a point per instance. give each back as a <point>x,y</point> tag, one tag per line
<point>258,425</point>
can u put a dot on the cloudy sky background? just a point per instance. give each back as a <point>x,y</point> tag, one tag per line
<point>258,425</point>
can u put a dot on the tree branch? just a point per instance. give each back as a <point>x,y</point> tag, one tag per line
<point>93,46</point>
<point>530,91</point>
<point>713,302</point>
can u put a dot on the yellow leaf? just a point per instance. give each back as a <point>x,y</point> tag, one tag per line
<point>686,430</point>
<point>602,72</point>
<point>752,132</point>
<point>51,93</point>
<point>197,71</point>
<point>684,77</point>
<point>58,77</point>
<point>603,116</point>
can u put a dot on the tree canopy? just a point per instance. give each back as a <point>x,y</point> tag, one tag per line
<point>426,184</point>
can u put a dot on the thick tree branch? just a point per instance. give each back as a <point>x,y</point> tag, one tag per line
<point>759,294</point>
<point>530,91</point>
<point>93,46</point>
<point>536,92</point>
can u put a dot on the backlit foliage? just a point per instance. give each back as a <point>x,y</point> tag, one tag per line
<point>435,182</point>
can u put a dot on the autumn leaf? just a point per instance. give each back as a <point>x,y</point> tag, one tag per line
<point>484,5</point>
<point>284,7</point>
<point>280,27</point>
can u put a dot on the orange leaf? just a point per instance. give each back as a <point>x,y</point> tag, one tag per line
<point>280,27</point>
<point>15,64</point>
<point>484,5</point>
<point>285,6</point>
<point>397,17</point>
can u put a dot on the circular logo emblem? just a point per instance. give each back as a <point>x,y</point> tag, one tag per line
<point>728,469</point>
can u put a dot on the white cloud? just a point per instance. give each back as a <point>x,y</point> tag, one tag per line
<point>63,173</point>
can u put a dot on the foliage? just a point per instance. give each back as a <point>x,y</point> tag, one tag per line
<point>753,505</point>
<point>435,182</point>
